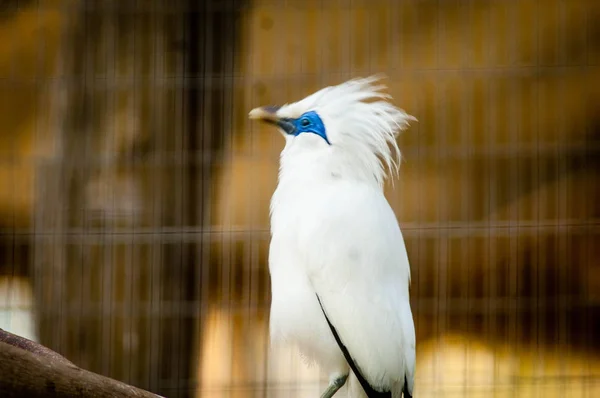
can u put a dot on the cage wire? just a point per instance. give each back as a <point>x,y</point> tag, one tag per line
<point>135,192</point>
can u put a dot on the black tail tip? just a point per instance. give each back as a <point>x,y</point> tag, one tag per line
<point>405,392</point>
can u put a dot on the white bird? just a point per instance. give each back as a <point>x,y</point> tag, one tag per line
<point>339,268</point>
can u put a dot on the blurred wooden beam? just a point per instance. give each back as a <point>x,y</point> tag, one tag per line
<point>28,369</point>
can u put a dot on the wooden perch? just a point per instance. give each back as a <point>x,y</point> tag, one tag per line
<point>28,369</point>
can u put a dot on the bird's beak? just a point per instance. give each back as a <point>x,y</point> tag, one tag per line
<point>268,114</point>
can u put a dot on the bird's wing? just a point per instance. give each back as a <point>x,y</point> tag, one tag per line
<point>358,267</point>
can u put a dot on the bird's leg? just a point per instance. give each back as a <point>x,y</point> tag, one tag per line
<point>334,385</point>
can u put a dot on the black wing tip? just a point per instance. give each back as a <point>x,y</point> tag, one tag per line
<point>369,390</point>
<point>405,392</point>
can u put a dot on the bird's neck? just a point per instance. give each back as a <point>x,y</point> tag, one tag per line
<point>311,170</point>
<point>304,182</point>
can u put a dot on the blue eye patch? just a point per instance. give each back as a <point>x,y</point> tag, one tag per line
<point>309,122</point>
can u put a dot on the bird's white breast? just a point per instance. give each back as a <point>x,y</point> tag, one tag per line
<point>296,316</point>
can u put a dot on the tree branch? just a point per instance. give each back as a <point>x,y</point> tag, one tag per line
<point>28,369</point>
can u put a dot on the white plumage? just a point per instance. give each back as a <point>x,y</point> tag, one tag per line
<point>334,236</point>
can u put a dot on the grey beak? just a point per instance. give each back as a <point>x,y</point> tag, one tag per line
<point>268,114</point>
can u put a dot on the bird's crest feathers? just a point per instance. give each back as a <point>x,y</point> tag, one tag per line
<point>361,123</point>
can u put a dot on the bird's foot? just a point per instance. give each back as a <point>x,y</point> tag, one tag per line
<point>334,386</point>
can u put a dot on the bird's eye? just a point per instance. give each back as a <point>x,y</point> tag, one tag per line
<point>304,122</point>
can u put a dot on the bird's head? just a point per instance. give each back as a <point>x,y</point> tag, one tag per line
<point>346,131</point>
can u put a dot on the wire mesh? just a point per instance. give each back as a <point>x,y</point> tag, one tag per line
<point>134,191</point>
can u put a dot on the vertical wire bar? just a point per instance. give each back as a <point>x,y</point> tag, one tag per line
<point>421,240</point>
<point>252,260</point>
<point>281,40</point>
<point>38,158</point>
<point>322,56</point>
<point>420,193</point>
<point>207,67</point>
<point>468,102</point>
<point>46,92</point>
<point>253,252</point>
<point>564,301</point>
<point>396,22</point>
<point>249,142</point>
<point>245,324</point>
<point>137,171</point>
<point>538,284</point>
<point>514,169</point>
<point>547,247</point>
<point>37,215</point>
<point>279,63</point>
<point>492,139</point>
<point>466,249</point>
<point>131,268</point>
<point>299,92</point>
<point>210,115</point>
<point>251,247</point>
<point>349,12</point>
<point>56,263</point>
<point>441,258</point>
<point>64,200</point>
<point>107,116</point>
<point>173,302</point>
<point>12,162</point>
<point>369,39</point>
<point>322,60</point>
<point>157,219</point>
<point>197,198</point>
<point>587,209</point>
<point>88,85</point>
<point>219,81</point>
<point>56,117</point>
<point>86,271</point>
<point>181,194</point>
<point>392,56</point>
<point>231,245</point>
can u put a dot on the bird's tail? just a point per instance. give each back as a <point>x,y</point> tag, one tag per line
<point>355,390</point>
<point>405,392</point>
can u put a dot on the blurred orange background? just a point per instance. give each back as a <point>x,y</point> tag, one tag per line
<point>134,191</point>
